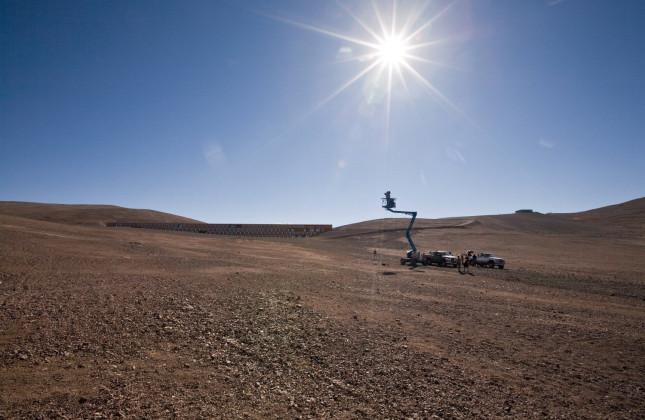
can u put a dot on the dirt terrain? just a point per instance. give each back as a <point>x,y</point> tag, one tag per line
<point>100,322</point>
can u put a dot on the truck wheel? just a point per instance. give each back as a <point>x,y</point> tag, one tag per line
<point>491,264</point>
<point>402,261</point>
<point>501,267</point>
<point>424,262</point>
<point>442,263</point>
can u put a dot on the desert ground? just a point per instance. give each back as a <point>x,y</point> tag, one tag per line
<point>100,322</point>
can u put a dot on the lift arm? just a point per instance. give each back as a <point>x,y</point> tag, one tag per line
<point>407,232</point>
<point>388,204</point>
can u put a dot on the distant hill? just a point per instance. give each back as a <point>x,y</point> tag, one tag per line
<point>80,214</point>
<point>629,215</point>
<point>395,224</point>
<point>621,218</point>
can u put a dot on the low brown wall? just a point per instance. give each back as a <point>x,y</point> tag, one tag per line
<point>280,231</point>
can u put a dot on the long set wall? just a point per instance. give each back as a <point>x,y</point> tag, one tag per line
<point>280,231</point>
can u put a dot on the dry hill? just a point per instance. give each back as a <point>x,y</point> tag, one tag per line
<point>612,220</point>
<point>80,214</point>
<point>627,216</point>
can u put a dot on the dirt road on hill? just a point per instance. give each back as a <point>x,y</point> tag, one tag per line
<point>102,323</point>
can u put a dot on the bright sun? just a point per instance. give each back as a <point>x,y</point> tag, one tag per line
<point>391,48</point>
<point>392,51</point>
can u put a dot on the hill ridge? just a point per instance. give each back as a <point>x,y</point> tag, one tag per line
<point>625,217</point>
<point>87,214</point>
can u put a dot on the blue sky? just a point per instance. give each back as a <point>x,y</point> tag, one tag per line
<point>243,111</point>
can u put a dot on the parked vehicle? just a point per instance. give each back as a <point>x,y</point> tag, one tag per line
<point>489,260</point>
<point>442,258</point>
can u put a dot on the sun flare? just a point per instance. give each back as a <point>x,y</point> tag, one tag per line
<point>393,51</point>
<point>395,46</point>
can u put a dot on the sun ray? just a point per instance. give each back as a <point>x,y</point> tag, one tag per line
<point>393,26</point>
<point>388,105</point>
<point>433,62</point>
<point>402,80</point>
<point>414,17</point>
<point>369,30</point>
<point>279,137</point>
<point>346,85</point>
<point>429,22</point>
<point>438,93</point>
<point>319,30</point>
<point>435,42</point>
<point>380,21</point>
<point>359,58</point>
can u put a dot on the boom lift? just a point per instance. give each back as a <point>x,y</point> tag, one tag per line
<point>412,256</point>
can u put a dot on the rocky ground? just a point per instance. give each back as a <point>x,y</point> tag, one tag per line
<point>103,323</point>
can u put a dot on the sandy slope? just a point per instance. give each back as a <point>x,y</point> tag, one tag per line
<point>98,322</point>
<point>626,216</point>
<point>83,214</point>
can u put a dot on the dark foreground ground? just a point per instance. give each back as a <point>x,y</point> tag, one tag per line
<point>103,323</point>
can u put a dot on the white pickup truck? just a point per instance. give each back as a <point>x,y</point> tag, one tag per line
<point>489,260</point>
